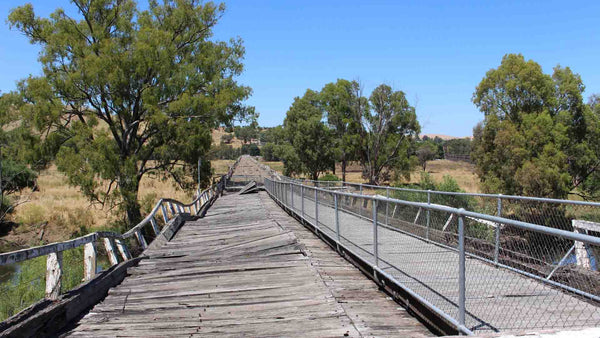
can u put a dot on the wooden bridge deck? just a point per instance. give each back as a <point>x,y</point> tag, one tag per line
<point>247,268</point>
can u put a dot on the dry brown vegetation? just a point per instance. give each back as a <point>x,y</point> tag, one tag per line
<point>462,172</point>
<point>216,138</point>
<point>61,210</point>
<point>220,167</point>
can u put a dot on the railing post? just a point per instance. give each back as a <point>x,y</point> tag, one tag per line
<point>337,217</point>
<point>123,250</point>
<point>286,188</point>
<point>375,234</point>
<point>89,261</point>
<point>155,227</point>
<point>141,239</point>
<point>164,212</point>
<point>292,194</point>
<point>53,275</point>
<point>316,209</point>
<point>428,214</point>
<point>387,204</point>
<point>110,251</point>
<point>497,230</point>
<point>302,199</point>
<point>360,188</point>
<point>461,268</point>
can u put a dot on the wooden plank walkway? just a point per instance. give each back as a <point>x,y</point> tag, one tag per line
<point>496,299</point>
<point>246,269</point>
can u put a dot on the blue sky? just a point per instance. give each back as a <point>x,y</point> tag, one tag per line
<point>434,51</point>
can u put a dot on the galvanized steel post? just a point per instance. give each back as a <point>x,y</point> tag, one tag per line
<point>337,219</point>
<point>316,210</point>
<point>497,232</point>
<point>428,214</point>
<point>292,193</point>
<point>302,199</point>
<point>461,268</point>
<point>387,203</point>
<point>375,235</point>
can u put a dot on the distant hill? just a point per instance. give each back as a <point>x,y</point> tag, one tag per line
<point>444,137</point>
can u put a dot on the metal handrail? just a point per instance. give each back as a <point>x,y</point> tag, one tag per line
<point>279,190</point>
<point>438,192</point>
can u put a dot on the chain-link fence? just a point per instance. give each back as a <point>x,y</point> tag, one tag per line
<point>532,268</point>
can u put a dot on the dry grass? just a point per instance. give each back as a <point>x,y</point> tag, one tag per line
<point>462,172</point>
<point>220,167</point>
<point>65,209</point>
<point>216,138</point>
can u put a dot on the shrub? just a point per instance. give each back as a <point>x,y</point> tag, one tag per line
<point>329,177</point>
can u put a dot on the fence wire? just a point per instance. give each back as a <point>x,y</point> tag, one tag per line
<point>516,277</point>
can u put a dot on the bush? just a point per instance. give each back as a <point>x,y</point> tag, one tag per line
<point>268,152</point>
<point>250,149</point>
<point>329,177</point>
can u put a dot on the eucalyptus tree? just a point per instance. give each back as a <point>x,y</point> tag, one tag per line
<point>344,106</point>
<point>126,92</point>
<point>538,136</point>
<point>388,129</point>
<point>309,148</point>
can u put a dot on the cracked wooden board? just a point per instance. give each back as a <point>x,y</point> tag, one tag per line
<point>245,269</point>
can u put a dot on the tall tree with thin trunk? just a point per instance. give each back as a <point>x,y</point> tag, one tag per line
<point>126,92</point>
<point>343,102</point>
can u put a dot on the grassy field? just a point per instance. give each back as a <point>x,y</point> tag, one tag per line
<point>462,172</point>
<point>61,209</point>
<point>220,167</point>
<point>216,138</point>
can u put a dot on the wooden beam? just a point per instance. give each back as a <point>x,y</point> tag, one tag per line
<point>89,261</point>
<point>141,239</point>
<point>123,250</point>
<point>155,227</point>
<point>53,275</point>
<point>109,245</point>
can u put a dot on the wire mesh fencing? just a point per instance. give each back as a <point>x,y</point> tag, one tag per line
<point>482,272</point>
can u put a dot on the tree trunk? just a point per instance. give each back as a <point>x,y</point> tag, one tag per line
<point>344,170</point>
<point>315,176</point>
<point>129,186</point>
<point>333,169</point>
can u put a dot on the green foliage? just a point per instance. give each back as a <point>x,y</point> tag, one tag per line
<point>28,283</point>
<point>309,138</point>
<point>247,133</point>
<point>224,152</point>
<point>268,152</point>
<point>426,152</point>
<point>388,129</point>
<point>126,91</point>
<point>458,146</point>
<point>16,176</point>
<point>379,132</point>
<point>427,182</point>
<point>329,178</point>
<point>250,149</point>
<point>538,137</point>
<point>226,138</point>
<point>343,105</point>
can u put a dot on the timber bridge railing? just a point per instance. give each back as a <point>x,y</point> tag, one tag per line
<point>171,213</point>
<point>484,271</point>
